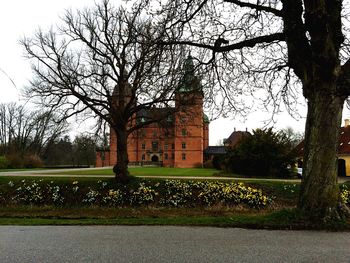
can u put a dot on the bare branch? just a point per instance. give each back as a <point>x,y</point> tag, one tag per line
<point>256,7</point>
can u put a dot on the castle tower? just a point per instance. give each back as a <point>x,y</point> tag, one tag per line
<point>178,140</point>
<point>188,150</point>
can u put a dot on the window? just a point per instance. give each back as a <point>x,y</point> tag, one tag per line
<point>154,146</point>
<point>183,132</point>
<point>143,146</point>
<point>183,156</point>
<point>172,156</point>
<point>143,157</point>
<point>166,146</point>
<point>166,156</point>
<point>166,133</point>
<point>154,134</point>
<point>173,146</point>
<point>183,145</point>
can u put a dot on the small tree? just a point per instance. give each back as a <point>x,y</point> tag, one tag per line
<point>84,150</point>
<point>59,152</point>
<point>264,153</point>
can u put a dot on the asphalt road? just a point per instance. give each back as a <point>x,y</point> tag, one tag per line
<point>168,244</point>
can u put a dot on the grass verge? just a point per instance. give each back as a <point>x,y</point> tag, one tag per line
<point>283,219</point>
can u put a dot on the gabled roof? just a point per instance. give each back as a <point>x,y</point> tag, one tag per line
<point>235,137</point>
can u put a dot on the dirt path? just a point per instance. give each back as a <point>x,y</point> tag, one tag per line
<point>57,173</point>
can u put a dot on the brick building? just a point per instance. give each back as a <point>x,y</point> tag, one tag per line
<point>178,140</point>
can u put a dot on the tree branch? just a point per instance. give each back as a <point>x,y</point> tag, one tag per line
<point>256,7</point>
<point>245,43</point>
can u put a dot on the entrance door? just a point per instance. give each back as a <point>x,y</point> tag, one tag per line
<point>155,158</point>
<point>341,167</point>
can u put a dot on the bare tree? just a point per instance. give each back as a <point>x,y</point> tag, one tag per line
<point>293,136</point>
<point>108,62</point>
<point>27,132</point>
<point>277,45</point>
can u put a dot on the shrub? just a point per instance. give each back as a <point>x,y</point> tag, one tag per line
<point>15,161</point>
<point>32,161</point>
<point>265,153</point>
<point>217,162</point>
<point>208,164</point>
<point>3,162</point>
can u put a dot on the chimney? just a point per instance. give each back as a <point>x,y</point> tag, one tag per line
<point>347,122</point>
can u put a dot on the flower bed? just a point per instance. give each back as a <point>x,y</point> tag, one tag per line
<point>168,193</point>
<point>345,194</point>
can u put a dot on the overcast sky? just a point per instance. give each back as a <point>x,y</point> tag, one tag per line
<point>23,17</point>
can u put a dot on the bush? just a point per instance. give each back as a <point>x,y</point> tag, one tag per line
<point>3,162</point>
<point>218,162</point>
<point>265,153</point>
<point>208,164</point>
<point>32,161</point>
<point>15,161</point>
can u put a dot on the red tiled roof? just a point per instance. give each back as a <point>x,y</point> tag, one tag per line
<point>235,137</point>
<point>344,140</point>
<point>343,144</point>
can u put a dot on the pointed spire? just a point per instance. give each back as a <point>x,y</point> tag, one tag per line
<point>189,65</point>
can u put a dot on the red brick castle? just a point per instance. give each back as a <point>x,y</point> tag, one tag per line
<point>177,141</point>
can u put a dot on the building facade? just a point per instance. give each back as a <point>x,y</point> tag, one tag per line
<point>178,140</point>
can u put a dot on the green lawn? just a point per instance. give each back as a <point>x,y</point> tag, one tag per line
<point>21,169</point>
<point>149,171</point>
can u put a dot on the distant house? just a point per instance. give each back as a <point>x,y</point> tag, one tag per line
<point>211,151</point>
<point>343,150</point>
<point>230,142</point>
<point>235,137</point>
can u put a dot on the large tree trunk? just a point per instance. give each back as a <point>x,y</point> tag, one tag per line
<point>121,167</point>
<point>319,196</point>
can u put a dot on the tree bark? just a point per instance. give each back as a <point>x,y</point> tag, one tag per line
<point>319,194</point>
<point>121,167</point>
